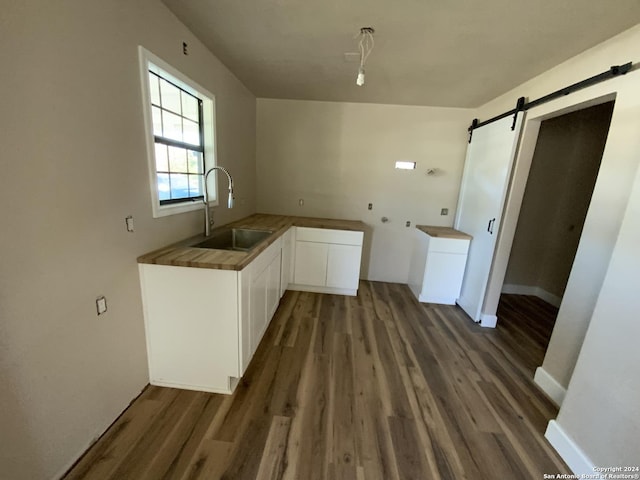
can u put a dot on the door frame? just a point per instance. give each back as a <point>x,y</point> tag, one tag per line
<point>515,193</point>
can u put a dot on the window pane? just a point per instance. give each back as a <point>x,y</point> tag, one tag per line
<point>170,95</point>
<point>191,132</point>
<point>164,190</point>
<point>154,89</point>
<point>157,121</point>
<point>194,161</point>
<point>178,159</point>
<point>179,185</point>
<point>190,107</point>
<point>162,162</point>
<point>195,185</point>
<point>172,126</point>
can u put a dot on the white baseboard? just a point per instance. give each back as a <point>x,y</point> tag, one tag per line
<point>489,321</point>
<point>533,290</point>
<point>550,386</point>
<point>329,290</point>
<point>569,451</point>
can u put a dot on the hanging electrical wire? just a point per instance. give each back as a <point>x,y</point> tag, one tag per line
<point>365,46</point>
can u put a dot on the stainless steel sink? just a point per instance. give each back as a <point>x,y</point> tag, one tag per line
<point>238,239</point>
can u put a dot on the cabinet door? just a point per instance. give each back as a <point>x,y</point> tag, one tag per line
<point>258,307</point>
<point>311,263</point>
<point>443,277</point>
<point>343,266</point>
<point>272,287</point>
<point>285,264</point>
<point>245,317</point>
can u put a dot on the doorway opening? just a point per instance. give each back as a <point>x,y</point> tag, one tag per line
<point>558,192</point>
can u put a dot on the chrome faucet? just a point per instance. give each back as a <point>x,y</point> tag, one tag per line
<point>208,221</point>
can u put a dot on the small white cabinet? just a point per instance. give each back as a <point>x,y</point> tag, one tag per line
<point>327,261</point>
<point>438,263</point>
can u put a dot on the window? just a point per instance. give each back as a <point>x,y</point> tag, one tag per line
<point>179,120</point>
<point>179,143</point>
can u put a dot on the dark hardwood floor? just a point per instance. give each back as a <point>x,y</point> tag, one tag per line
<point>372,387</point>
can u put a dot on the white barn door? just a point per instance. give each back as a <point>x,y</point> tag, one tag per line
<point>485,180</point>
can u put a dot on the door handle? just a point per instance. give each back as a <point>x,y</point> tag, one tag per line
<point>490,226</point>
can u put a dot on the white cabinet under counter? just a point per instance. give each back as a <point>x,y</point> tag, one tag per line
<point>203,325</point>
<point>438,263</point>
<point>206,309</point>
<point>327,261</point>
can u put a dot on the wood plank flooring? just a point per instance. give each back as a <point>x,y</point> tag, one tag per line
<point>375,387</point>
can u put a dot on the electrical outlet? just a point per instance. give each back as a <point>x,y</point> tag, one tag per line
<point>370,207</point>
<point>408,224</point>
<point>101,305</point>
<point>301,202</point>
<point>129,222</point>
<point>444,211</point>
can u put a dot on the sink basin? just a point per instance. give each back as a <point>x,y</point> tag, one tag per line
<point>238,239</point>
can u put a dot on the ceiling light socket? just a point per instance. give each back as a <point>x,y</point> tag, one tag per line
<point>365,46</point>
<point>360,77</point>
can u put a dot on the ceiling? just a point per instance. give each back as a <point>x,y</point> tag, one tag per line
<point>453,53</point>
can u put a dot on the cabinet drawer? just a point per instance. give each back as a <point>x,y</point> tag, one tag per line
<point>324,235</point>
<point>448,245</point>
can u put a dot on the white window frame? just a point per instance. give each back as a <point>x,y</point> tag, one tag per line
<point>149,61</point>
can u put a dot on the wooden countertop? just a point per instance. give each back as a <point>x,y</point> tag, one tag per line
<point>181,254</point>
<point>443,232</point>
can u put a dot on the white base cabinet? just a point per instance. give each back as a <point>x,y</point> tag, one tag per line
<point>204,325</point>
<point>437,267</point>
<point>327,261</point>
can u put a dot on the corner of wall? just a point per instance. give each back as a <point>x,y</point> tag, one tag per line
<point>550,386</point>
<point>572,455</point>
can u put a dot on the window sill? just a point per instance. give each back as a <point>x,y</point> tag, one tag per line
<point>177,208</point>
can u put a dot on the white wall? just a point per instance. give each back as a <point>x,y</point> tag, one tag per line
<point>339,157</point>
<point>612,414</point>
<point>73,167</point>
<point>601,412</point>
